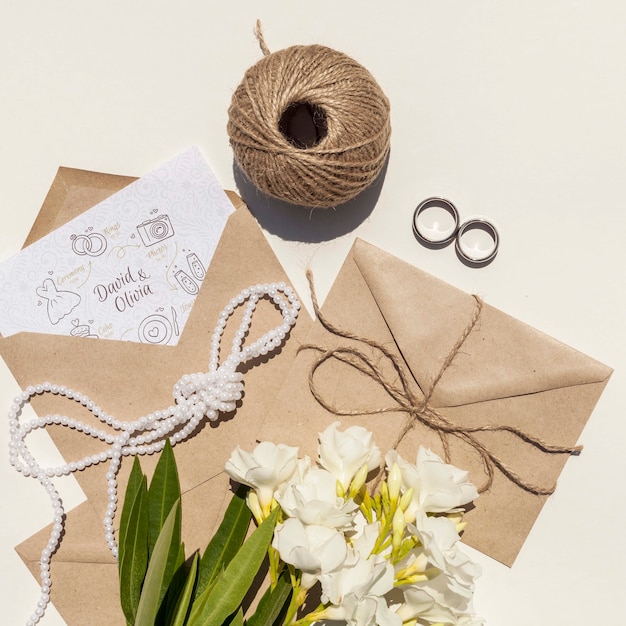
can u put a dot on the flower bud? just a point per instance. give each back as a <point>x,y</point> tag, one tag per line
<point>252,500</point>
<point>394,481</point>
<point>339,490</point>
<point>406,499</point>
<point>384,494</point>
<point>358,481</point>
<point>398,525</point>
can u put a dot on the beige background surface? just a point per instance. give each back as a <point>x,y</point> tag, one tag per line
<point>512,110</point>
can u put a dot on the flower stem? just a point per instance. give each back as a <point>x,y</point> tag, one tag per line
<point>275,565</point>
<point>297,597</point>
<point>312,617</point>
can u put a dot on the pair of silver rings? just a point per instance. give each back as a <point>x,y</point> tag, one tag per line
<point>436,223</point>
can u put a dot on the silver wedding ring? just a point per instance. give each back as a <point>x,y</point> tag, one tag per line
<point>436,223</point>
<point>477,242</point>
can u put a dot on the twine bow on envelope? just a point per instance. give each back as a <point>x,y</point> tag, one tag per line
<point>418,407</point>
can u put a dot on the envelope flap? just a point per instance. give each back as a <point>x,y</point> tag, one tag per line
<point>72,192</point>
<point>501,357</point>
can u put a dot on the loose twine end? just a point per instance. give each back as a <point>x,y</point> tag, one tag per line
<point>258,33</point>
<point>418,409</point>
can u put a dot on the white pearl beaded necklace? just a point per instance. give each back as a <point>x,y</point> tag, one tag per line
<point>196,396</point>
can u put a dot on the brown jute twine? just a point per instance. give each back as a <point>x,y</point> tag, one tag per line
<point>419,409</point>
<point>346,106</point>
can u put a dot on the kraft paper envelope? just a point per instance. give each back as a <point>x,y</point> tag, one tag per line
<point>504,373</point>
<point>128,380</point>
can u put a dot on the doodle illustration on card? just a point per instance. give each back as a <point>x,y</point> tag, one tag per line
<point>186,282</point>
<point>192,271</point>
<point>82,330</point>
<point>195,266</point>
<point>156,329</point>
<point>92,244</point>
<point>155,230</point>
<point>175,321</point>
<point>58,303</point>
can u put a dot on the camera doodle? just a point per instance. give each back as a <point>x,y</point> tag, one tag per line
<point>93,244</point>
<point>155,230</point>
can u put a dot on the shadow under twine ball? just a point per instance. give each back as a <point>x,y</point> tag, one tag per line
<point>310,126</point>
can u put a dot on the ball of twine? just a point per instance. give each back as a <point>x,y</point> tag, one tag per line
<point>309,125</point>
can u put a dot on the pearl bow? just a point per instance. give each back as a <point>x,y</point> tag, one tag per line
<point>196,396</point>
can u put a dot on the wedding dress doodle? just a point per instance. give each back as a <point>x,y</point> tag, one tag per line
<point>93,244</point>
<point>155,230</point>
<point>60,303</point>
<point>199,396</point>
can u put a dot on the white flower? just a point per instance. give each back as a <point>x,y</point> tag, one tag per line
<point>314,500</point>
<point>441,545</point>
<point>356,592</point>
<point>368,611</point>
<point>437,486</point>
<point>364,535</point>
<point>344,453</point>
<point>265,469</point>
<point>413,565</point>
<point>314,550</point>
<point>447,597</point>
<point>436,602</point>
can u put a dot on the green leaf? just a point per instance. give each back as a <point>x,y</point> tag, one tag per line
<point>274,603</point>
<point>133,486</point>
<point>179,580</point>
<point>183,603</point>
<point>238,619</point>
<point>215,604</point>
<point>163,492</point>
<point>198,603</point>
<point>161,569</point>
<point>133,550</point>
<point>226,541</point>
